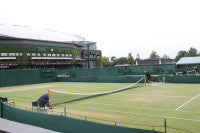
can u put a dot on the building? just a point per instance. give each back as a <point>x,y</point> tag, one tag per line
<point>188,62</point>
<point>154,61</point>
<point>24,47</point>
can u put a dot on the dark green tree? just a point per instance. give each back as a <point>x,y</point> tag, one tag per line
<point>106,62</point>
<point>122,60</point>
<point>154,55</point>
<point>165,56</point>
<point>113,58</point>
<point>192,52</point>
<point>180,54</point>
<point>130,59</point>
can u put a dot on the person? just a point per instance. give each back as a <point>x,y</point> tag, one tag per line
<point>148,75</point>
<point>196,70</point>
<point>184,72</point>
<point>44,99</point>
<point>175,74</point>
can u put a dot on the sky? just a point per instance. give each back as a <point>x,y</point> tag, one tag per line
<point>118,26</point>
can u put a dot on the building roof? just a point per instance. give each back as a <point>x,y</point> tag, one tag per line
<point>32,33</point>
<point>189,60</point>
<point>154,61</point>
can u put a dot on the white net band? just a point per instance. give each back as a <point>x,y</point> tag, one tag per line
<point>58,97</point>
<point>102,92</point>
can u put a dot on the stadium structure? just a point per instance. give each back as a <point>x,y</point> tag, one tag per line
<point>188,62</point>
<point>154,61</point>
<point>23,47</point>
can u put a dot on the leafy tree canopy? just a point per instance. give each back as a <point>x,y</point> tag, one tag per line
<point>154,55</point>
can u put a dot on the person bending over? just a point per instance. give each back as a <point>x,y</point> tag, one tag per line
<point>148,75</point>
<point>184,72</point>
<point>44,99</point>
<point>196,70</point>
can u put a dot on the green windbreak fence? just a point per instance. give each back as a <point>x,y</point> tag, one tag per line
<point>114,74</point>
<point>95,72</point>
<point>182,79</point>
<point>119,71</point>
<point>139,70</point>
<point>110,79</point>
<point>21,77</point>
<point>61,123</point>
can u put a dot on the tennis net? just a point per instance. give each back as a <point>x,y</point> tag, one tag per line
<point>59,97</point>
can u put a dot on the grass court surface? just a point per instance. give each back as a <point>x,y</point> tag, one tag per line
<point>145,105</point>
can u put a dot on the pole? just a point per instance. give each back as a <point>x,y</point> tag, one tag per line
<point>1,109</point>
<point>165,126</point>
<point>49,96</point>
<point>64,111</point>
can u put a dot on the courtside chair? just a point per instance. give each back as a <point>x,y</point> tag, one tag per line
<point>5,100</point>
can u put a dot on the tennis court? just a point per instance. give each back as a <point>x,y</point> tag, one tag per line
<point>143,107</point>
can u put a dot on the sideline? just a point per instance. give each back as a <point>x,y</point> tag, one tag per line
<point>139,114</point>
<point>141,107</point>
<point>187,102</point>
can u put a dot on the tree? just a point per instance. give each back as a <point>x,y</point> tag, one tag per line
<point>165,56</point>
<point>130,59</point>
<point>138,56</point>
<point>122,60</point>
<point>113,58</point>
<point>192,52</point>
<point>181,54</point>
<point>105,62</point>
<point>154,55</point>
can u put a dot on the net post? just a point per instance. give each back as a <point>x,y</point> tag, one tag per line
<point>145,81</point>
<point>49,96</point>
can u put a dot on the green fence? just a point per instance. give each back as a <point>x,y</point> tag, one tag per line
<point>115,74</point>
<point>109,79</point>
<point>139,70</point>
<point>97,72</point>
<point>61,123</point>
<point>22,77</point>
<point>182,79</point>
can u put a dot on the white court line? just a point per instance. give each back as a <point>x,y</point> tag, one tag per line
<point>187,102</point>
<point>154,95</point>
<point>142,107</point>
<point>139,114</point>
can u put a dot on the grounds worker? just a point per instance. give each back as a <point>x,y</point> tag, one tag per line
<point>196,70</point>
<point>148,75</point>
<point>44,99</point>
<point>184,72</point>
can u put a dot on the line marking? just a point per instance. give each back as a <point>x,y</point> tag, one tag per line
<point>139,114</point>
<point>154,95</point>
<point>187,102</point>
<point>142,107</point>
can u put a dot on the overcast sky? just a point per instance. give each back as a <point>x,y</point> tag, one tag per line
<point>118,26</point>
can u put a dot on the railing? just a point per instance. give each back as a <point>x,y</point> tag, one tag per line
<point>161,128</point>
